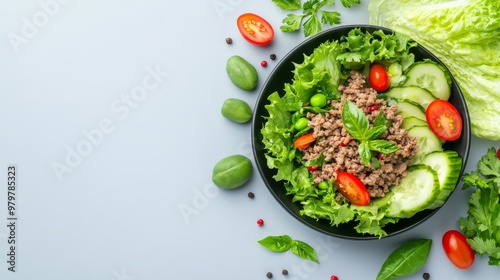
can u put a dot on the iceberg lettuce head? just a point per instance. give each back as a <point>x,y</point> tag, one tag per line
<point>465,36</point>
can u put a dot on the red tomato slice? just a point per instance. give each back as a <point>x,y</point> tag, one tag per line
<point>304,141</point>
<point>378,78</point>
<point>255,29</point>
<point>444,120</point>
<point>352,188</point>
<point>457,249</point>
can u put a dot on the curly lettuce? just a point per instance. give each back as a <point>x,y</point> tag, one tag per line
<point>465,36</point>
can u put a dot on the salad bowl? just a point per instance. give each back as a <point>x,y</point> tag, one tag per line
<point>282,74</point>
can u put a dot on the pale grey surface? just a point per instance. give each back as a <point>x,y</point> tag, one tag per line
<point>116,213</point>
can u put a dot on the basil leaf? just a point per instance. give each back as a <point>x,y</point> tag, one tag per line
<point>406,259</point>
<point>381,120</point>
<point>304,251</point>
<point>354,120</point>
<point>382,146</point>
<point>375,132</point>
<point>364,152</point>
<point>317,161</point>
<point>281,243</point>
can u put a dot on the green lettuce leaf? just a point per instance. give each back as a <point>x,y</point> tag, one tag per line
<point>465,36</point>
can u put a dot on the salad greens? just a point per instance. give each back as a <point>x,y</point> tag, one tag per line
<point>406,259</point>
<point>309,18</point>
<point>482,225</point>
<point>283,243</point>
<point>465,36</point>
<point>323,71</point>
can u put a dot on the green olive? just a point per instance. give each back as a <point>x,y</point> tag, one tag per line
<point>236,110</point>
<point>318,100</point>
<point>241,73</point>
<point>232,172</point>
<point>301,123</point>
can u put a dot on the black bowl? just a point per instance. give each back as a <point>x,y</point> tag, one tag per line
<point>282,74</point>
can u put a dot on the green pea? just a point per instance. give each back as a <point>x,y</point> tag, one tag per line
<point>301,124</point>
<point>232,172</point>
<point>323,185</point>
<point>236,110</point>
<point>318,100</point>
<point>241,73</point>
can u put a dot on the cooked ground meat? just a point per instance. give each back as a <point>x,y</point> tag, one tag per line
<point>341,150</point>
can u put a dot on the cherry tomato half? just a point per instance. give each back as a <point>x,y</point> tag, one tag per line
<point>255,29</point>
<point>444,119</point>
<point>457,249</point>
<point>304,141</point>
<point>378,78</point>
<point>352,188</point>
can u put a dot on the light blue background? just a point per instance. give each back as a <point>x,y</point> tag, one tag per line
<point>116,213</point>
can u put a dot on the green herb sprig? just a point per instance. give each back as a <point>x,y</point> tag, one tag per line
<point>482,224</point>
<point>357,124</point>
<point>406,259</point>
<point>313,14</point>
<point>283,243</point>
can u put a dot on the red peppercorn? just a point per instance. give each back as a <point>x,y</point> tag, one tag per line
<point>333,277</point>
<point>263,63</point>
<point>260,222</point>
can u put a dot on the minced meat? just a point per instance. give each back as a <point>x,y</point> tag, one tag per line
<point>341,150</point>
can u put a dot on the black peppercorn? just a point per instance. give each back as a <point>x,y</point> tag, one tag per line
<point>272,56</point>
<point>269,275</point>
<point>284,272</point>
<point>426,276</point>
<point>251,195</point>
<point>229,40</point>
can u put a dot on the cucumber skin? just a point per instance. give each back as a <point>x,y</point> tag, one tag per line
<point>454,164</point>
<point>396,205</point>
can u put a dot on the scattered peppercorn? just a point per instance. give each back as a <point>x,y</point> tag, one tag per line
<point>284,272</point>
<point>333,277</point>
<point>269,275</point>
<point>251,195</point>
<point>229,40</point>
<point>426,276</point>
<point>272,56</point>
<point>263,63</point>
<point>260,222</point>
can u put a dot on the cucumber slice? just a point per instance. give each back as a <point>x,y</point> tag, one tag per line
<point>447,165</point>
<point>410,122</point>
<point>413,93</point>
<point>431,76</point>
<point>428,142</point>
<point>408,108</point>
<point>416,192</point>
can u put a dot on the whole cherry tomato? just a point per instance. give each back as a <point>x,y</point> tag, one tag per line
<point>457,249</point>
<point>378,78</point>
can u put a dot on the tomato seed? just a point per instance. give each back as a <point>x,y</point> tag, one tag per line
<point>263,63</point>
<point>284,272</point>
<point>333,277</point>
<point>272,56</point>
<point>251,195</point>
<point>260,222</point>
<point>269,275</point>
<point>426,276</point>
<point>229,40</point>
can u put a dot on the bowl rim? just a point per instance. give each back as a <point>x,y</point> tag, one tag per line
<point>255,131</point>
